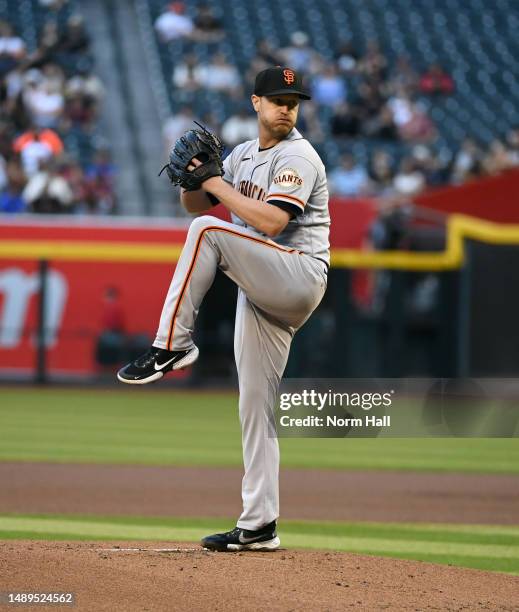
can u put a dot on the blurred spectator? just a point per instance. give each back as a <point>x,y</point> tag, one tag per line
<point>113,317</point>
<point>349,179</point>
<point>299,55</point>
<point>79,112</point>
<point>432,167</point>
<point>370,100</point>
<point>207,28</point>
<point>411,120</point>
<point>373,64</point>
<point>467,162</point>
<point>186,74</point>
<point>173,23</point>
<point>381,126</point>
<point>100,183</point>
<point>48,43</point>
<point>44,102</point>
<point>84,92</point>
<point>53,74</point>
<point>36,146</point>
<point>176,125</point>
<point>512,142</point>
<point>266,56</point>
<point>329,88</point>
<point>72,172</point>
<point>404,76</point>
<point>498,159</point>
<point>346,58</point>
<point>409,180</point>
<point>16,111</point>
<point>216,75</point>
<point>11,200</point>
<point>390,231</point>
<point>48,192</point>
<point>401,106</point>
<point>310,123</point>
<point>29,79</point>
<point>435,81</point>
<point>73,43</point>
<point>240,127</point>
<point>220,75</point>
<point>86,83</point>
<point>15,173</point>
<point>419,128</point>
<point>266,52</point>
<point>12,48</point>
<point>6,139</point>
<point>3,173</point>
<point>381,172</point>
<point>112,342</point>
<point>345,121</point>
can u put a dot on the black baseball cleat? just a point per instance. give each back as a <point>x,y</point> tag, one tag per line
<point>155,363</point>
<point>242,539</point>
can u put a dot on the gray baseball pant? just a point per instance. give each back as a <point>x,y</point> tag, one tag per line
<point>278,288</point>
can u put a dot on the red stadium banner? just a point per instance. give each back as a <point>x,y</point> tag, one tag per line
<point>84,298</point>
<point>77,309</point>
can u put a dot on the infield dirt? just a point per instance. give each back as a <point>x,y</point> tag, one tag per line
<point>196,580</point>
<point>31,488</point>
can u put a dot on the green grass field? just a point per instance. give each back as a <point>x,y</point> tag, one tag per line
<point>174,428</point>
<point>146,427</point>
<point>476,546</point>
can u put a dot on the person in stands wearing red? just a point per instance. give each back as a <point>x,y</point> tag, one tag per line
<point>435,81</point>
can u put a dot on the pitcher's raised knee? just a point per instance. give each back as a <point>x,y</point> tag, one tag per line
<point>199,224</point>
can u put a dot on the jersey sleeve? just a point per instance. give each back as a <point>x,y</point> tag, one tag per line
<point>228,175</point>
<point>292,183</point>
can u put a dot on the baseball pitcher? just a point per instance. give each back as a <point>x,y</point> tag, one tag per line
<point>276,250</point>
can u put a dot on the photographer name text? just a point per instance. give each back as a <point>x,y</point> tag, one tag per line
<point>335,421</point>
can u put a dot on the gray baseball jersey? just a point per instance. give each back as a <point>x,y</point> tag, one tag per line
<point>292,176</point>
<point>280,282</point>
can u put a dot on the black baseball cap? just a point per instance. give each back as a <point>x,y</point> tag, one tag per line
<point>280,80</point>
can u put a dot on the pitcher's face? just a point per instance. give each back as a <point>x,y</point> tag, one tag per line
<point>277,114</point>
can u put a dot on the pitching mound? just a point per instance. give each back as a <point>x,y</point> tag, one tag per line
<point>141,576</point>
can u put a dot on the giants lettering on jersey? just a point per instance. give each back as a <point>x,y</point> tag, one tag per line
<point>252,191</point>
<point>287,178</point>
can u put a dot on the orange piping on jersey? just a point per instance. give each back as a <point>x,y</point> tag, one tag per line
<point>276,196</point>
<point>180,299</point>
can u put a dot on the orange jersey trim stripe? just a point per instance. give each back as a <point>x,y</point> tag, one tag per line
<point>273,201</point>
<point>285,196</point>
<point>193,262</point>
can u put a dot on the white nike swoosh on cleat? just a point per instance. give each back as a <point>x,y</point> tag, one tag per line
<point>161,366</point>
<point>245,540</point>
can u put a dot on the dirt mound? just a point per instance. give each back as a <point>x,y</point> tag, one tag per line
<point>138,576</point>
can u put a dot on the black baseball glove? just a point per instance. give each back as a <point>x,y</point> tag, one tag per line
<point>202,145</point>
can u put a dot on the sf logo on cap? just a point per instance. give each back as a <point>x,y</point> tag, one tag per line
<point>289,76</point>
